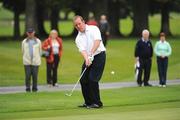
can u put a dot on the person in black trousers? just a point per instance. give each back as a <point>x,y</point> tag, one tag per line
<point>53,44</point>
<point>143,55</point>
<point>90,45</point>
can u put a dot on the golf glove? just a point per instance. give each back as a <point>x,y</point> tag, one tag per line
<point>91,58</point>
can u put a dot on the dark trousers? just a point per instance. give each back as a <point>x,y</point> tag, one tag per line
<point>145,66</point>
<point>31,71</point>
<point>104,38</point>
<point>90,80</point>
<point>52,71</point>
<point>162,69</point>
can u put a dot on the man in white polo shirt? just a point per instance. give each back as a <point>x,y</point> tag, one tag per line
<point>90,45</point>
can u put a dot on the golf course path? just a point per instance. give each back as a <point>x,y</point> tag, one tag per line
<point>68,87</point>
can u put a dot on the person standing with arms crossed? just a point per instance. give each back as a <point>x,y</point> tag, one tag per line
<point>162,50</point>
<point>31,49</point>
<point>143,55</point>
<point>90,45</point>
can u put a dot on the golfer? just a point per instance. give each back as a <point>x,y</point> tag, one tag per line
<point>90,45</point>
<point>143,55</point>
<point>31,49</point>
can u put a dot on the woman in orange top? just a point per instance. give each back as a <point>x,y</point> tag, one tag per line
<point>53,44</point>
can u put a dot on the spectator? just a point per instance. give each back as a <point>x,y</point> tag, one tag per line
<point>31,49</point>
<point>143,55</point>
<point>92,21</point>
<point>53,45</point>
<point>162,50</point>
<point>104,28</point>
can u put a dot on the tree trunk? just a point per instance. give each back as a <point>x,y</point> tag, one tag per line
<point>113,18</point>
<point>101,7</point>
<point>31,21</point>
<point>165,19</point>
<point>16,25</point>
<point>54,18</point>
<point>40,21</point>
<point>82,10</point>
<point>140,16</point>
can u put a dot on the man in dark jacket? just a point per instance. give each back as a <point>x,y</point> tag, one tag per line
<point>104,28</point>
<point>143,55</point>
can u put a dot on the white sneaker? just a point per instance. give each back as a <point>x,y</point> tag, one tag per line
<point>56,85</point>
<point>160,85</point>
<point>164,86</point>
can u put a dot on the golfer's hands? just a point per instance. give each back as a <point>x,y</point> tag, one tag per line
<point>89,60</point>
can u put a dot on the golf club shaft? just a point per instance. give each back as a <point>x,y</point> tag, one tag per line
<point>78,81</point>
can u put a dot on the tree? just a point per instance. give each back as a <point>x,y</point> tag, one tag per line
<point>40,13</point>
<point>165,25</point>
<point>113,13</point>
<point>101,7</point>
<point>17,7</point>
<point>140,9</point>
<point>31,20</point>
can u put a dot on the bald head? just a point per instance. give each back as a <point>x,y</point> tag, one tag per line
<point>145,34</point>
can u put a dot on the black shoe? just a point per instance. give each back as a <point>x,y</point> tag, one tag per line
<point>147,85</point>
<point>28,90</point>
<point>34,90</point>
<point>140,85</point>
<point>83,106</point>
<point>94,106</point>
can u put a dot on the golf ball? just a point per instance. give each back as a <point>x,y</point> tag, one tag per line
<point>112,72</point>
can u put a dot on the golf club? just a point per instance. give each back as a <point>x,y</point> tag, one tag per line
<point>70,94</point>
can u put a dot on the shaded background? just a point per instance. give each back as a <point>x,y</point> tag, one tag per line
<point>43,15</point>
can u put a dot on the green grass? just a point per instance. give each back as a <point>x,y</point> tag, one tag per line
<point>126,103</point>
<point>120,59</point>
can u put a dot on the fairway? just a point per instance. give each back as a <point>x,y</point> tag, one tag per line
<point>145,103</point>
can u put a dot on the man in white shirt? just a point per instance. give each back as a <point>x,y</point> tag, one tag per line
<point>90,45</point>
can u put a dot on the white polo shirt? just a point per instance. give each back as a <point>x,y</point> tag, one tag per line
<point>85,40</point>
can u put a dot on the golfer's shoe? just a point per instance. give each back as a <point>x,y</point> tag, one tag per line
<point>94,106</point>
<point>83,106</point>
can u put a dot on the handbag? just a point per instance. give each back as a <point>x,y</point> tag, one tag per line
<point>45,53</point>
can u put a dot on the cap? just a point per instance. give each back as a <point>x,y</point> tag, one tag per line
<point>30,30</point>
